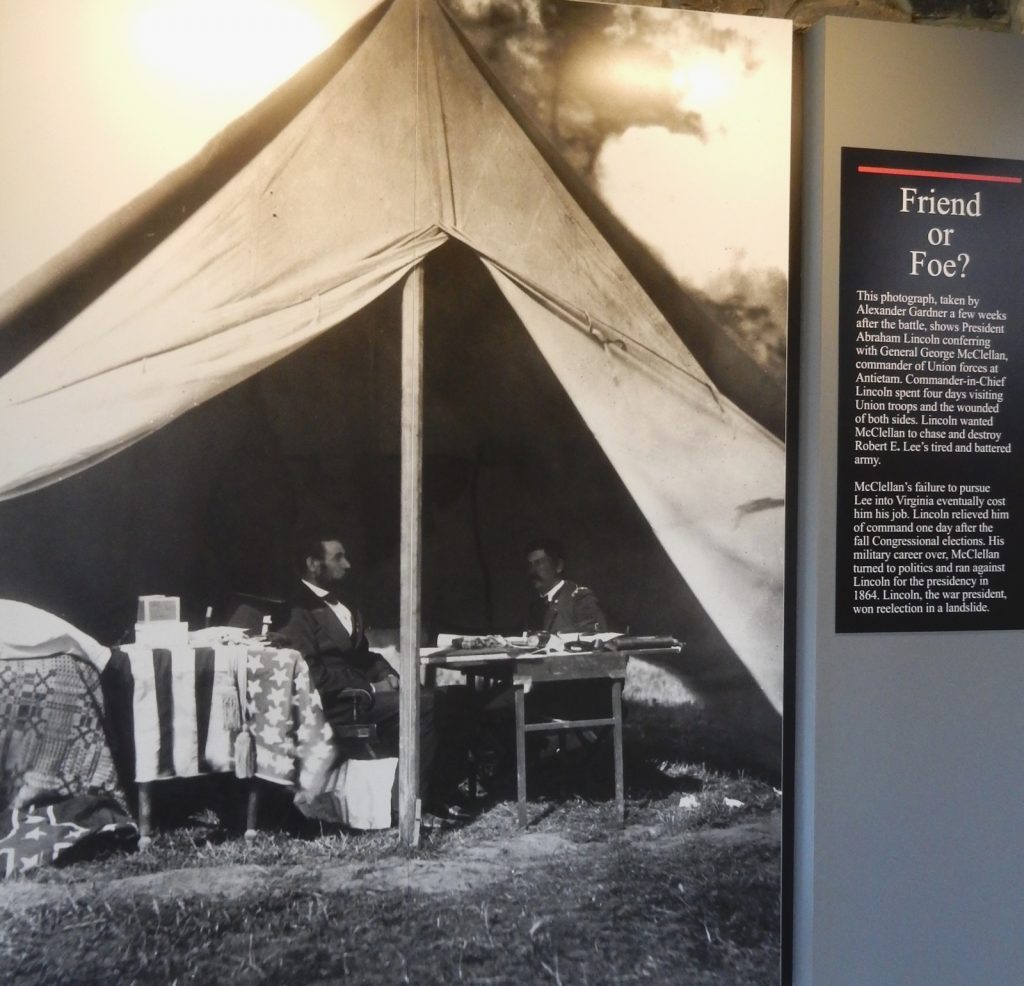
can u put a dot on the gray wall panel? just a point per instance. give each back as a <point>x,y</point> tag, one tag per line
<point>909,826</point>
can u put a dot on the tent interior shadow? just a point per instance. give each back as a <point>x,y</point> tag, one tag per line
<point>209,505</point>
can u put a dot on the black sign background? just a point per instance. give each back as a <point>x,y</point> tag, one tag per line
<point>985,256</point>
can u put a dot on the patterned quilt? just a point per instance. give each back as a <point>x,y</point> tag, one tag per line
<point>59,794</point>
<point>52,741</point>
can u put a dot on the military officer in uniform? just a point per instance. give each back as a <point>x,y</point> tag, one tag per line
<point>561,606</point>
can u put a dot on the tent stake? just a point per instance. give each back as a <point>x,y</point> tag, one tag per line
<point>412,494</point>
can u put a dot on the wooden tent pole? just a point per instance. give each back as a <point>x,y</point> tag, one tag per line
<point>412,495</point>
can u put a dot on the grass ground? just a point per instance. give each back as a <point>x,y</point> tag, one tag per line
<point>687,893</point>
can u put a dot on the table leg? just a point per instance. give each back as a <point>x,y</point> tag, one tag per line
<point>472,773</point>
<point>145,816</point>
<point>252,808</point>
<point>620,794</point>
<point>521,751</point>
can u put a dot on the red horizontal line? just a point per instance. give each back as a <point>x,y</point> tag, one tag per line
<point>912,173</point>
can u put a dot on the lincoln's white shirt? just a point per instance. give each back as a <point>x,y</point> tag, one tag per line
<point>340,610</point>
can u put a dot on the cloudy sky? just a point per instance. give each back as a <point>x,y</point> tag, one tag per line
<point>101,98</point>
<point>723,196</point>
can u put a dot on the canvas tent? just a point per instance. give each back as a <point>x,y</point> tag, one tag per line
<point>404,156</point>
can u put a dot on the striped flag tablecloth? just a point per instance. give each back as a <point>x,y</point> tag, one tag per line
<point>184,707</point>
<point>187,711</point>
<point>189,716</point>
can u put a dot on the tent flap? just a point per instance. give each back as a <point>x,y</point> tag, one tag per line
<point>337,208</point>
<point>710,481</point>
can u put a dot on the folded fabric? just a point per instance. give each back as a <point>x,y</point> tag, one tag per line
<point>356,793</point>
<point>275,704</point>
<point>72,828</point>
<point>27,631</point>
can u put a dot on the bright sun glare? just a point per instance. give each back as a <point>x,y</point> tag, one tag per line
<point>704,81</point>
<point>221,47</point>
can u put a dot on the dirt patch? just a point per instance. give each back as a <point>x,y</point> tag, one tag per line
<point>475,866</point>
<point>766,829</point>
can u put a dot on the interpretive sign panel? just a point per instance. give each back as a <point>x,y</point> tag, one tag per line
<point>931,393</point>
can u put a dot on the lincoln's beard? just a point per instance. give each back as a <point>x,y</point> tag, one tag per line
<point>331,585</point>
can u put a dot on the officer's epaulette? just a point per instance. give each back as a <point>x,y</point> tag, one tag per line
<point>579,590</point>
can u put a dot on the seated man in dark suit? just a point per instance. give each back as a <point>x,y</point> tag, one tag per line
<point>561,606</point>
<point>330,635</point>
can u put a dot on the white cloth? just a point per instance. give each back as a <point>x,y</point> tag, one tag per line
<point>356,793</point>
<point>27,631</point>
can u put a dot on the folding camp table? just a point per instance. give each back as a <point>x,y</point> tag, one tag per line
<point>524,669</point>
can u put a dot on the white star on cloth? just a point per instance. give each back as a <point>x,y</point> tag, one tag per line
<point>270,734</point>
<point>255,662</point>
<point>283,657</point>
<point>318,754</point>
<point>281,676</point>
<point>275,716</point>
<point>281,763</point>
<point>30,862</point>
